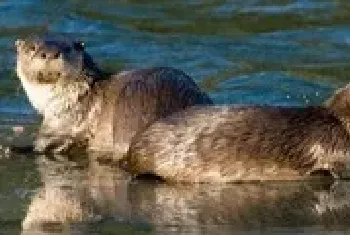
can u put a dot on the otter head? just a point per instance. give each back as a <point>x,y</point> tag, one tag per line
<point>339,104</point>
<point>46,65</point>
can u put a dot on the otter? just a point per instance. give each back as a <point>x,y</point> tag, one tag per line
<point>247,143</point>
<point>85,108</point>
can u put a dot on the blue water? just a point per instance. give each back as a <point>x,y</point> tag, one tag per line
<point>276,52</point>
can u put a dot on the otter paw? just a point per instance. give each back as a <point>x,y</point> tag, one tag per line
<point>41,145</point>
<point>56,145</point>
<point>52,144</point>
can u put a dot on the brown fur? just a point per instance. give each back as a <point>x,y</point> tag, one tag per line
<point>225,144</point>
<point>85,107</point>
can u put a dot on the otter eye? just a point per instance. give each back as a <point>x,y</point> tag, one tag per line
<point>43,55</point>
<point>79,46</point>
<point>56,55</point>
<point>32,48</point>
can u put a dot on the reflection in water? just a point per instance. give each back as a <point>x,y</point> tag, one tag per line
<point>76,192</point>
<point>87,197</point>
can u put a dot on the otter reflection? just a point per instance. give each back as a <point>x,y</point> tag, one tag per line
<point>88,193</point>
<point>75,192</point>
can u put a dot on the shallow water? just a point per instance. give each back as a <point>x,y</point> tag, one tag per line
<point>277,52</point>
<point>91,198</point>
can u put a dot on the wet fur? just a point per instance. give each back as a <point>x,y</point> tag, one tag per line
<point>83,107</point>
<point>230,144</point>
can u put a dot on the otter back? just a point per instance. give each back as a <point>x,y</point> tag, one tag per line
<point>133,100</point>
<point>230,144</point>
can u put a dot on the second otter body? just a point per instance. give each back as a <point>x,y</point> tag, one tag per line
<point>230,144</point>
<point>85,107</point>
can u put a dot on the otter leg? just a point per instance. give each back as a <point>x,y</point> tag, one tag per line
<point>58,144</point>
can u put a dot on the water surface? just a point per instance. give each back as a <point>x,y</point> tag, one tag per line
<point>276,52</point>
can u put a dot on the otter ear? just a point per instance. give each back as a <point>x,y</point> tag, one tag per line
<point>340,102</point>
<point>79,45</point>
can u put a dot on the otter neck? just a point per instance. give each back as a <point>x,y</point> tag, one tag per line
<point>70,108</point>
<point>71,93</point>
<point>91,71</point>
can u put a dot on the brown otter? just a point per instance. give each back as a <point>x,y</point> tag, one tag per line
<point>83,106</point>
<point>225,144</point>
